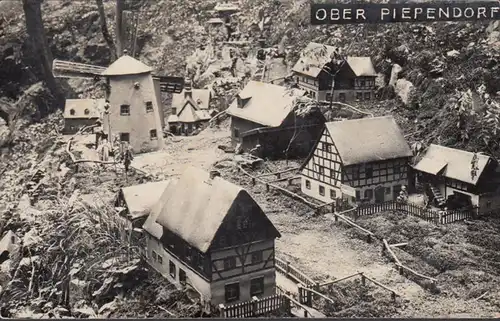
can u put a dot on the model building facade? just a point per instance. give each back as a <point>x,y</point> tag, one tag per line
<point>354,78</point>
<point>370,155</point>
<point>212,235</point>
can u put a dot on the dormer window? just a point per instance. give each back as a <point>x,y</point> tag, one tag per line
<point>72,112</point>
<point>86,111</point>
<point>242,101</point>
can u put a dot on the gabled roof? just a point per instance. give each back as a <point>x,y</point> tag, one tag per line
<point>126,65</point>
<point>457,163</point>
<point>361,66</point>
<point>268,104</point>
<point>313,58</point>
<point>200,96</point>
<point>368,140</point>
<point>194,207</point>
<point>141,198</point>
<point>84,108</point>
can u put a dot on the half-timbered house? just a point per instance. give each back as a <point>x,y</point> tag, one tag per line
<point>265,114</point>
<point>354,79</point>
<point>458,178</point>
<point>367,157</point>
<point>210,234</point>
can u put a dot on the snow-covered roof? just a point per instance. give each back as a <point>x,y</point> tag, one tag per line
<point>195,206</point>
<point>83,108</point>
<point>141,198</point>
<point>266,104</point>
<point>200,96</point>
<point>368,140</point>
<point>126,65</point>
<point>313,58</point>
<point>454,163</point>
<point>362,66</point>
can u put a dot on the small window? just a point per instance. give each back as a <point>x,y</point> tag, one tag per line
<point>367,96</point>
<point>189,253</point>
<point>257,286</point>
<point>173,111</point>
<point>201,262</point>
<point>125,137</point>
<point>333,173</point>
<point>125,110</point>
<point>232,292</point>
<point>362,83</point>
<point>154,255</point>
<point>159,259</point>
<point>153,134</point>
<point>171,268</point>
<point>328,97</point>
<point>396,169</point>
<point>387,191</point>
<point>86,111</point>
<point>358,195</point>
<point>333,194</point>
<point>308,184</point>
<point>369,194</point>
<point>369,172</point>
<point>355,173</point>
<point>257,257</point>
<point>359,96</point>
<point>222,241</point>
<point>321,170</point>
<point>321,190</point>
<point>149,106</point>
<point>72,112</point>
<point>229,263</point>
<point>182,276</point>
<point>236,132</point>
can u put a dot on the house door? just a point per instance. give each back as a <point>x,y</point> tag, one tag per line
<point>379,194</point>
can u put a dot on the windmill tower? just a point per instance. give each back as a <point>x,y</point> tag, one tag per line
<point>135,110</point>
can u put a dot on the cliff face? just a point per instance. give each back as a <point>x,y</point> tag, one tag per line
<point>439,62</point>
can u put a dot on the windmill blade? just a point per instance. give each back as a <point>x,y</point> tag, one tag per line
<point>170,84</point>
<point>68,69</point>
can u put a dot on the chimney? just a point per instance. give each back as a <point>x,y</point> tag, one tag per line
<point>242,101</point>
<point>187,89</point>
<point>214,174</point>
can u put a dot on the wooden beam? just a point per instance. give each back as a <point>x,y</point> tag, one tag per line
<point>381,285</point>
<point>389,250</point>
<point>275,173</point>
<point>398,245</point>
<point>321,295</point>
<point>339,280</point>
<point>348,221</point>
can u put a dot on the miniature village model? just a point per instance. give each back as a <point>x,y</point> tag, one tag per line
<point>368,156</point>
<point>294,170</point>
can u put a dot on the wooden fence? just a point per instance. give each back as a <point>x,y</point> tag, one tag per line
<point>429,215</point>
<point>256,307</point>
<point>293,273</point>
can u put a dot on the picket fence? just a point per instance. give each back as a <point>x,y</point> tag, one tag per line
<point>429,215</point>
<point>293,273</point>
<point>256,307</point>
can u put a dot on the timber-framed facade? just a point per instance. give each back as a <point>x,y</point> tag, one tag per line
<point>228,255</point>
<point>343,157</point>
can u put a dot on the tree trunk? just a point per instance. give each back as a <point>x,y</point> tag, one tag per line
<point>104,29</point>
<point>38,41</point>
<point>120,5</point>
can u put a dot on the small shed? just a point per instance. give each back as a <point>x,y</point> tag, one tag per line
<point>10,241</point>
<point>79,113</point>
